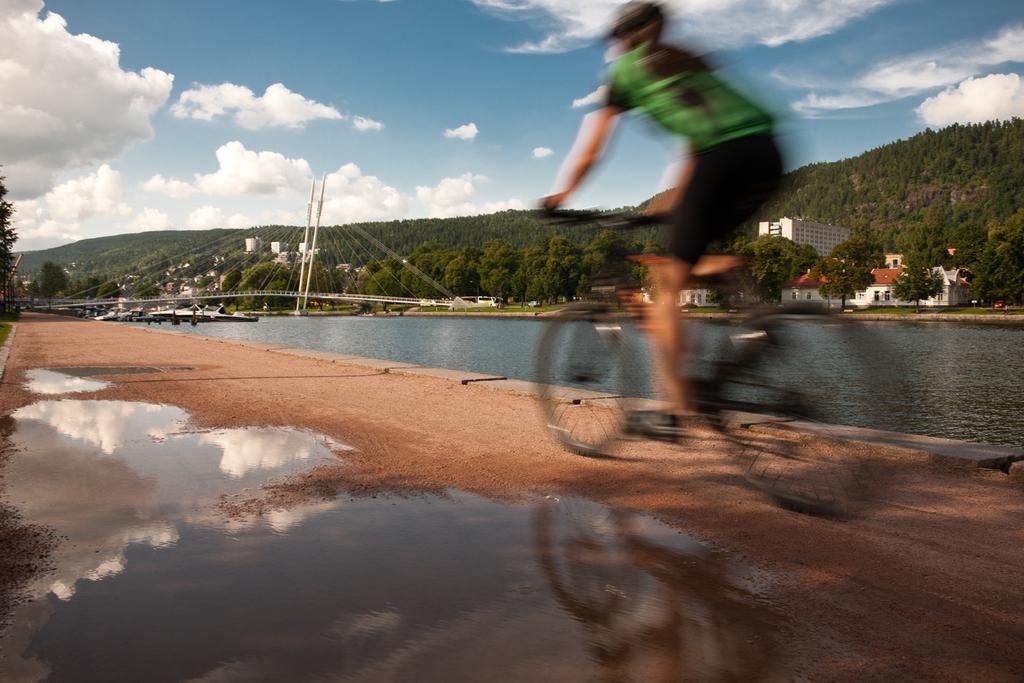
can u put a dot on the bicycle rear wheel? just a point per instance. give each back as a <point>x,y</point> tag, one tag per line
<point>791,373</point>
<point>588,370</point>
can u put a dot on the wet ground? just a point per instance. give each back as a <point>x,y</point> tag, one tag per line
<point>152,583</point>
<point>162,579</point>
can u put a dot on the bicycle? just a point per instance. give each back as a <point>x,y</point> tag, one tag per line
<point>653,605</point>
<point>752,384</point>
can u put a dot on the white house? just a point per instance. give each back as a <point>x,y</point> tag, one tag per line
<point>688,297</point>
<point>880,293</point>
<point>806,289</point>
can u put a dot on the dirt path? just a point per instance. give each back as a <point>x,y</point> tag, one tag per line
<point>924,586</point>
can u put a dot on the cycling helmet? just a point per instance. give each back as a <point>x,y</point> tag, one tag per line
<point>633,16</point>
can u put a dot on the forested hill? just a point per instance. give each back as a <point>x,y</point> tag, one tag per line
<point>118,253</point>
<point>942,180</point>
<point>949,183</point>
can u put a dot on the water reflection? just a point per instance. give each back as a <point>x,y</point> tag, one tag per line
<point>150,585</point>
<point>51,382</point>
<point>653,605</point>
<point>108,425</point>
<point>110,474</point>
<point>246,450</point>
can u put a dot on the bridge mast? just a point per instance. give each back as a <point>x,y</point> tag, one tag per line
<point>316,232</point>
<point>305,240</point>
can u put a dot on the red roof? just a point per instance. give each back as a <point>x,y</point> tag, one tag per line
<point>805,281</point>
<point>886,276</point>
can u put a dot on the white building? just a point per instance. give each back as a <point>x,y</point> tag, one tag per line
<point>880,293</point>
<point>688,297</point>
<point>824,238</point>
<point>806,289</point>
<point>278,247</point>
<point>253,244</point>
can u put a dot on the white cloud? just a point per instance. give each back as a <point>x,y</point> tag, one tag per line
<point>364,124</point>
<point>352,197</point>
<point>176,189</point>
<point>207,217</point>
<point>247,172</point>
<point>542,152</point>
<point>467,131</point>
<point>66,102</point>
<point>454,197</point>
<point>599,96</point>
<point>148,220</point>
<point>58,215</point>
<point>976,100</point>
<point>241,172</point>
<point>277,107</point>
<point>719,22</point>
<point>37,231</point>
<point>917,73</point>
<point>95,194</point>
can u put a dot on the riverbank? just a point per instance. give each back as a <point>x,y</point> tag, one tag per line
<point>908,590</point>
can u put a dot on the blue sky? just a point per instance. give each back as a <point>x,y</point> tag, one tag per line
<point>145,114</point>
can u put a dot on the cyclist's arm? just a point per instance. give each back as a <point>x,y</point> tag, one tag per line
<point>667,200</point>
<point>590,153</point>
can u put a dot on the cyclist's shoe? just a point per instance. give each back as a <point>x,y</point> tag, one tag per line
<point>654,424</point>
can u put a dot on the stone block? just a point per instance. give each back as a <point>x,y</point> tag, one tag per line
<point>461,376</point>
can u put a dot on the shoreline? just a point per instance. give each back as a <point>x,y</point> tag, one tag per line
<point>1000,456</point>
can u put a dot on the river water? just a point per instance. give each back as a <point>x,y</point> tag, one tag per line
<point>954,380</point>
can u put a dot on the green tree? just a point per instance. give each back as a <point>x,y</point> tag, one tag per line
<point>847,270</point>
<point>1001,270</point>
<point>461,275</point>
<point>563,273</point>
<point>52,280</point>
<point>108,290</point>
<point>7,239</point>
<point>917,282</point>
<point>528,281</point>
<point>926,244</point>
<point>385,279</point>
<point>498,266</point>
<point>265,276</point>
<point>775,260</point>
<point>232,279</point>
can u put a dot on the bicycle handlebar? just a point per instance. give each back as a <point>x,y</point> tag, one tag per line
<point>613,220</point>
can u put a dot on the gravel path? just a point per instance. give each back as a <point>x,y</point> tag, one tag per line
<point>925,585</point>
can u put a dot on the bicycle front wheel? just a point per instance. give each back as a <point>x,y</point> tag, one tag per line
<point>589,371</point>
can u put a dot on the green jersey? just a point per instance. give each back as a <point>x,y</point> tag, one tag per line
<point>684,96</point>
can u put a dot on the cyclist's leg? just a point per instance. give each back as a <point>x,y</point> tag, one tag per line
<point>668,336</point>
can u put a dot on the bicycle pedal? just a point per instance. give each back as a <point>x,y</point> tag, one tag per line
<point>655,425</point>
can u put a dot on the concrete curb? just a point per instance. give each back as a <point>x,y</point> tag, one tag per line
<point>950,451</point>
<point>5,350</point>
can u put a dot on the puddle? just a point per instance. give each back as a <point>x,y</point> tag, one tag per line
<point>150,585</point>
<point>50,382</point>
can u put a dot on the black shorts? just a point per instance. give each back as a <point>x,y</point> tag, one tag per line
<point>730,183</point>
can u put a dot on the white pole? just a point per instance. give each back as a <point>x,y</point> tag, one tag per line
<point>305,239</point>
<point>316,232</point>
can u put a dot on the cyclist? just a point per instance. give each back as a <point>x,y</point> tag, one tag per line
<point>733,168</point>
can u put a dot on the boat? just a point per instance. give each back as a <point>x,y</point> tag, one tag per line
<point>204,314</point>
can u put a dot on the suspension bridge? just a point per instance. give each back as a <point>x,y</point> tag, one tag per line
<point>129,302</point>
<point>310,273</point>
